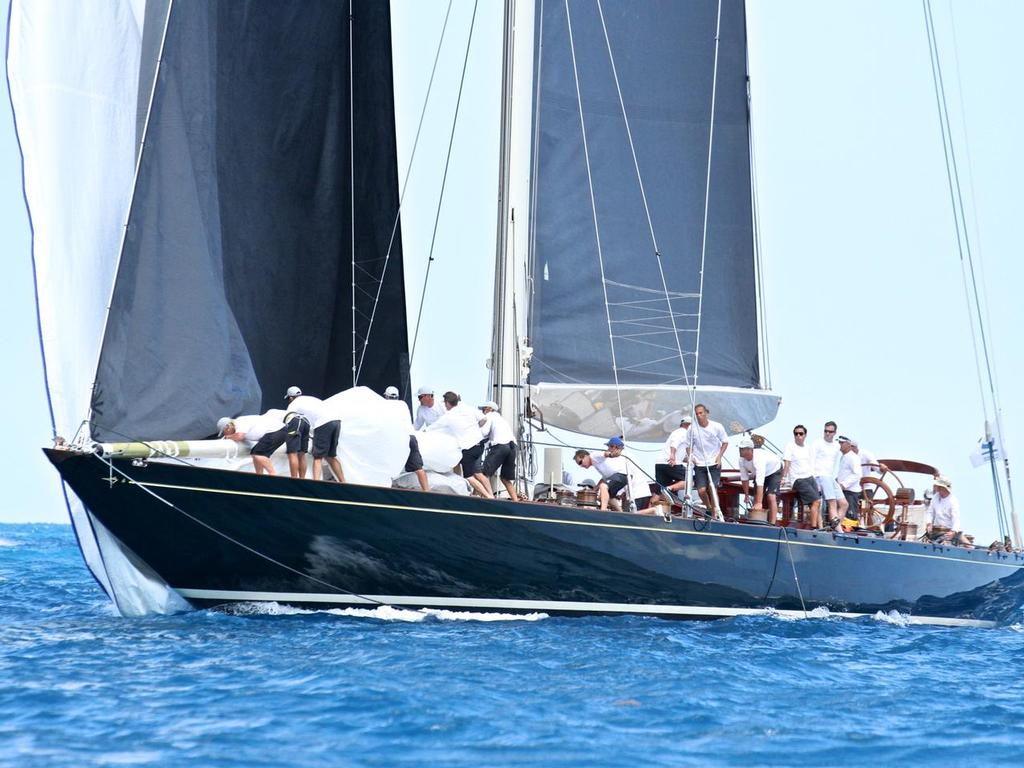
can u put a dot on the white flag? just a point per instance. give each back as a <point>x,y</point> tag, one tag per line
<point>988,450</point>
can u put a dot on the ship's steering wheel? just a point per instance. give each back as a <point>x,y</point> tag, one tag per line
<point>877,504</point>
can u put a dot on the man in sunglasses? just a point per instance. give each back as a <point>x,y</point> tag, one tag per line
<point>824,454</point>
<point>798,469</point>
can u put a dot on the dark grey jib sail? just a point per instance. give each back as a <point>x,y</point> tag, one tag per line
<point>261,222</point>
<point>640,135</point>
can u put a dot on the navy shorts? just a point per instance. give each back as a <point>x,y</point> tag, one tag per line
<point>772,482</point>
<point>325,440</point>
<point>806,490</point>
<point>616,483</point>
<point>503,456</point>
<point>270,442</point>
<point>471,459</point>
<point>415,461</point>
<point>669,474</point>
<point>700,476</point>
<point>298,433</point>
<point>853,499</point>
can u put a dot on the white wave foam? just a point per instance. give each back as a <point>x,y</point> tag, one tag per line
<point>821,612</point>
<point>9,543</point>
<point>893,617</point>
<point>381,612</point>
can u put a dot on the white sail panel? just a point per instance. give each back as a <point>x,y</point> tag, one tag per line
<point>649,412</point>
<point>73,73</point>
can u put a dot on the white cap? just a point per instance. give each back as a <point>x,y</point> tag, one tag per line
<point>685,418</point>
<point>490,404</point>
<point>424,391</point>
<point>745,442</point>
<point>222,424</point>
<point>292,392</point>
<point>391,393</point>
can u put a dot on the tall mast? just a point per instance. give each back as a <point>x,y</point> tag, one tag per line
<point>506,379</point>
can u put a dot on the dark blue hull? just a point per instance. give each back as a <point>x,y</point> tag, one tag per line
<point>218,536</point>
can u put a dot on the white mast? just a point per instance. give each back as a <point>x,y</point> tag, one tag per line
<point>506,364</point>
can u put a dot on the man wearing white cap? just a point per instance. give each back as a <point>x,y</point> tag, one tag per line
<point>325,431</point>
<point>426,413</point>
<point>263,433</point>
<point>502,451</point>
<point>943,516</point>
<point>848,478</point>
<point>670,474</point>
<point>414,462</point>
<point>766,469</point>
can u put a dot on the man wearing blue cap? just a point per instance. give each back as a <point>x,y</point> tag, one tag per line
<point>611,465</point>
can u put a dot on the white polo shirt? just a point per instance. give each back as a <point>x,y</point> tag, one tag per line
<point>823,457</point>
<point>944,512</point>
<point>496,430</point>
<point>607,466</point>
<point>800,463</point>
<point>848,475</point>
<point>461,422</point>
<point>762,464</point>
<point>676,440</point>
<point>310,407</point>
<point>705,442</point>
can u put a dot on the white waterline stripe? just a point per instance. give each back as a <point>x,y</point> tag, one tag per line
<point>541,605</point>
<point>677,531</point>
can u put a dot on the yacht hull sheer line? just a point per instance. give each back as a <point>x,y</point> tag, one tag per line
<point>218,536</point>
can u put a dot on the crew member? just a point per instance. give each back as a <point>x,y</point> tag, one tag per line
<point>325,431</point>
<point>943,516</point>
<point>502,451</point>
<point>706,443</point>
<point>798,469</point>
<point>670,474</point>
<point>426,412</point>
<point>463,422</point>
<point>766,469</point>
<point>414,462</point>
<point>848,478</point>
<point>612,467</point>
<point>824,452</point>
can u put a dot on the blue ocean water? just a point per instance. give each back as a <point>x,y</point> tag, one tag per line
<point>278,687</point>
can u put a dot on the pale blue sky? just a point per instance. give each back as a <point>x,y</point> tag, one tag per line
<point>866,312</point>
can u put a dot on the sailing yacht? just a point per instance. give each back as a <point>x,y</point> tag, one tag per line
<point>266,191</point>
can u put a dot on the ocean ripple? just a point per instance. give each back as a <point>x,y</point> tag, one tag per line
<point>270,685</point>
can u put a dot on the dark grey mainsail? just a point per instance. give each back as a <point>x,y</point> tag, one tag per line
<point>269,158</point>
<point>647,80</point>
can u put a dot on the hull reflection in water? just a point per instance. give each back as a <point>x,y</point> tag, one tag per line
<point>218,536</point>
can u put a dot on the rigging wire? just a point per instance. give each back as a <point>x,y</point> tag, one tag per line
<point>352,180</point>
<point>405,187</point>
<point>707,196</point>
<point>246,547</point>
<point>444,180</point>
<point>593,208</point>
<point>643,195</point>
<point>966,257</point>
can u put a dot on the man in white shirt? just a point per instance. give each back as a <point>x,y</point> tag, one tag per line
<point>463,422</point>
<point>611,465</point>
<point>670,474</point>
<point>414,463</point>
<point>426,412</point>
<point>824,453</point>
<point>502,451</point>
<point>869,465</point>
<point>260,432</point>
<point>325,431</point>
<point>766,469</point>
<point>798,470</point>
<point>848,478</point>
<point>943,516</point>
<point>706,443</point>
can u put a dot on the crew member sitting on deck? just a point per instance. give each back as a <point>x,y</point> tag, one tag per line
<point>766,469</point>
<point>943,516</point>
<point>611,465</point>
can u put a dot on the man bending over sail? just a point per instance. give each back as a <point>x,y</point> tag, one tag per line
<point>264,434</point>
<point>325,431</point>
